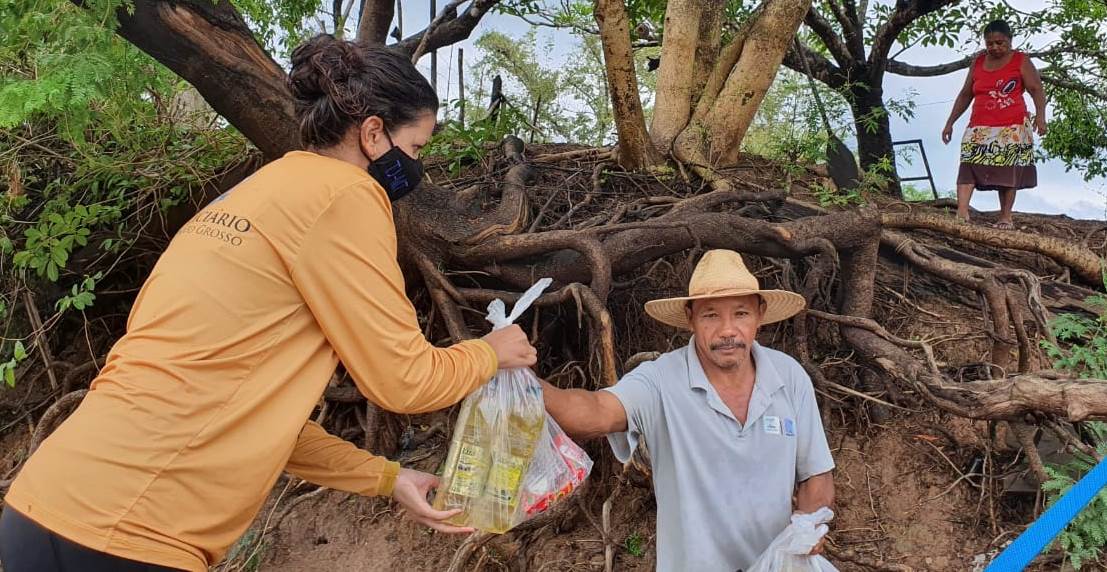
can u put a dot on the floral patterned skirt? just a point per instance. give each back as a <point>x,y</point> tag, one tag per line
<point>998,158</point>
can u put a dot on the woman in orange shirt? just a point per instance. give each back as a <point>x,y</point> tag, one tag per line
<point>206,399</point>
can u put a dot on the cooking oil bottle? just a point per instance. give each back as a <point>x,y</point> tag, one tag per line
<point>510,460</point>
<point>467,467</point>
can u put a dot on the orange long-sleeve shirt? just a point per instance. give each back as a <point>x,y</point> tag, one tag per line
<point>229,346</point>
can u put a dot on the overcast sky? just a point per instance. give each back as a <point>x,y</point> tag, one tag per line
<point>1058,191</point>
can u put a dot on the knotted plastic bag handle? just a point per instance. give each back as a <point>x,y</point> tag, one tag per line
<point>497,309</point>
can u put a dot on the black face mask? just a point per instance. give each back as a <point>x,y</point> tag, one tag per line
<point>396,171</point>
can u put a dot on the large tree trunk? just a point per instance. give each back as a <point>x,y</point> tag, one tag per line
<point>636,150</point>
<point>727,107</point>
<point>874,131</point>
<point>691,27</point>
<point>210,46</point>
<point>707,50</point>
<point>750,80</point>
<point>375,20</point>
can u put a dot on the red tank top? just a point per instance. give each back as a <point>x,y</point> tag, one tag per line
<point>997,94</point>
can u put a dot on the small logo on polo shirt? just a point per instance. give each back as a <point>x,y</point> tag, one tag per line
<point>772,425</point>
<point>789,427</point>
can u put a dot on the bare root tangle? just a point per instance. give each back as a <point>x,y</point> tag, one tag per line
<point>578,155</point>
<point>1015,311</point>
<point>519,246</point>
<point>1086,263</point>
<point>292,504</point>
<point>76,372</point>
<point>879,330</point>
<point>1045,392</point>
<point>445,296</point>
<point>54,417</point>
<point>632,247</point>
<point>464,552</point>
<point>1068,436</point>
<point>597,187</point>
<point>985,281</point>
<point>372,427</point>
<point>588,302</point>
<point>1025,434</point>
<point>605,520</point>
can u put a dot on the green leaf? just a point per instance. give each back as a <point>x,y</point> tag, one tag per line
<point>9,374</point>
<point>19,352</point>
<point>59,256</point>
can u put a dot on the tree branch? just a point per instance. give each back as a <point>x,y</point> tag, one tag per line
<point>453,28</point>
<point>846,13</point>
<point>1073,85</point>
<point>906,12</point>
<point>826,33</point>
<point>209,45</point>
<point>449,11</point>
<point>822,69</point>
<point>375,20</point>
<point>901,68</point>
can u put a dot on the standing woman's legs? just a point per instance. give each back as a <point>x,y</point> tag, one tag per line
<point>1006,205</point>
<point>964,194</point>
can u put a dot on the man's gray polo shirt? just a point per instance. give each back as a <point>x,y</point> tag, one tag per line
<point>724,490</point>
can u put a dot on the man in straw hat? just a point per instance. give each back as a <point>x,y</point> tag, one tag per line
<point>735,440</point>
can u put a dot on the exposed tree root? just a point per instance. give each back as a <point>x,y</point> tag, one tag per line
<point>54,416</point>
<point>1080,259</point>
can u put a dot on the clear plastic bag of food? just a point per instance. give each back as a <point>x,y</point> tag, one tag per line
<point>559,467</point>
<point>790,550</point>
<point>494,440</point>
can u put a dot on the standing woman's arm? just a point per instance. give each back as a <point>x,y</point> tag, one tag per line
<point>1032,80</point>
<point>964,99</point>
<point>348,275</point>
<point>333,462</point>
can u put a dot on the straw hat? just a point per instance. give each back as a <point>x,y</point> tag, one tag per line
<point>721,274</point>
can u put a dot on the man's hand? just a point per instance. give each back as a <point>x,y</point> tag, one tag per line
<point>410,492</point>
<point>947,133</point>
<point>819,546</point>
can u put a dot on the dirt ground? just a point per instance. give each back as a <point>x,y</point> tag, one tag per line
<point>898,501</point>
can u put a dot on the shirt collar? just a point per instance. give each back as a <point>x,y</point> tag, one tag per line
<point>766,381</point>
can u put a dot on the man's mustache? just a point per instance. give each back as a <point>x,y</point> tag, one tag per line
<point>728,345</point>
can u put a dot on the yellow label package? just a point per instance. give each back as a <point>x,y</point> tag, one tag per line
<point>504,465</point>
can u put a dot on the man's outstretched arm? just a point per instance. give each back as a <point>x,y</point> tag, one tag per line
<point>585,414</point>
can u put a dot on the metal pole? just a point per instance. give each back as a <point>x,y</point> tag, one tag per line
<point>461,84</point>
<point>434,53</point>
<point>933,189</point>
<point>400,19</point>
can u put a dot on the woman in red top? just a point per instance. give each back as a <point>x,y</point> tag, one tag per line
<point>997,150</point>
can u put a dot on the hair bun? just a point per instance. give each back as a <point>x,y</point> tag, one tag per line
<point>309,78</point>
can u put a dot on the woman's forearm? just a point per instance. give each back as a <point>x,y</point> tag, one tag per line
<point>959,106</point>
<point>1039,98</point>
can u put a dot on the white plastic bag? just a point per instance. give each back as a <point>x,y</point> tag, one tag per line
<point>508,460</point>
<point>789,551</point>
